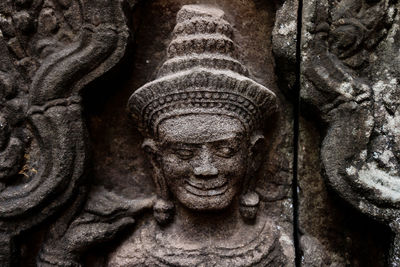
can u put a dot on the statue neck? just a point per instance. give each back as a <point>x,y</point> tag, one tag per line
<point>198,226</point>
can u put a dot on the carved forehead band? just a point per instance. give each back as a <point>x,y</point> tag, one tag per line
<point>201,75</point>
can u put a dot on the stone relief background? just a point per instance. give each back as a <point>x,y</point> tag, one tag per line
<point>350,64</point>
<point>349,89</point>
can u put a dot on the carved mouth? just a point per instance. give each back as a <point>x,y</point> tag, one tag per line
<point>206,189</point>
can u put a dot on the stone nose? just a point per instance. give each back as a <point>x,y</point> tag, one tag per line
<point>205,166</point>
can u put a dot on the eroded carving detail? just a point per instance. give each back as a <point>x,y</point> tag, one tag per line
<point>49,51</point>
<point>203,118</point>
<point>350,82</point>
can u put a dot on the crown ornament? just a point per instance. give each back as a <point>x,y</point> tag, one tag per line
<point>201,75</point>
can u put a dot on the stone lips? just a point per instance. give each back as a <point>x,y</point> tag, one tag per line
<point>201,75</point>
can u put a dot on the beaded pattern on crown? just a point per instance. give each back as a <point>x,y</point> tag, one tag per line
<point>201,75</point>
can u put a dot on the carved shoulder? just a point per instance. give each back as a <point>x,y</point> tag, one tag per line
<point>269,246</point>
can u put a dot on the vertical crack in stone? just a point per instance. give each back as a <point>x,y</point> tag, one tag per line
<point>296,115</point>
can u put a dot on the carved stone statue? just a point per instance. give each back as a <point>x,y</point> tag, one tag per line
<point>73,176</point>
<point>203,120</point>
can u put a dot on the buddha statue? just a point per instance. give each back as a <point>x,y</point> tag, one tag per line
<point>203,120</point>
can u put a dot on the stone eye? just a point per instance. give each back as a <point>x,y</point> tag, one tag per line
<point>184,153</point>
<point>225,152</point>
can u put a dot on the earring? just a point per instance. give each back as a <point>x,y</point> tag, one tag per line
<point>248,205</point>
<point>163,211</point>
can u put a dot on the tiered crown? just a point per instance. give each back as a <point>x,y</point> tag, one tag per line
<point>201,75</point>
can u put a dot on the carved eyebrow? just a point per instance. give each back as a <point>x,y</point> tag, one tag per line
<point>237,138</point>
<point>234,140</point>
<point>180,145</point>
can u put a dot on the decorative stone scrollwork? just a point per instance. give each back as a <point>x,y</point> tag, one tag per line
<point>209,117</point>
<point>203,98</point>
<point>351,84</point>
<point>56,47</point>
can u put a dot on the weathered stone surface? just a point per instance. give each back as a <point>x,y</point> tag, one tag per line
<point>55,49</point>
<point>210,83</point>
<point>350,86</point>
<point>284,39</point>
<point>150,54</point>
<point>341,235</point>
<point>43,137</point>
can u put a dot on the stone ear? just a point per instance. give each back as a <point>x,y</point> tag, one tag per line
<point>248,205</point>
<point>249,200</point>
<point>163,209</point>
<point>256,139</point>
<point>150,146</point>
<point>257,143</point>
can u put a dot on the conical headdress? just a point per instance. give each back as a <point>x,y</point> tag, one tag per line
<point>201,75</point>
